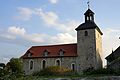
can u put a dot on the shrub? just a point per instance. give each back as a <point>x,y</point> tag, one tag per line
<point>55,71</point>
<point>100,71</point>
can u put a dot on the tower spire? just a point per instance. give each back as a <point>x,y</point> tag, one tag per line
<point>88,3</point>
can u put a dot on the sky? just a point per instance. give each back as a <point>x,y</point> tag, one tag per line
<point>26,23</point>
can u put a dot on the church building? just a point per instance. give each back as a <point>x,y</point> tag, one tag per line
<point>80,56</point>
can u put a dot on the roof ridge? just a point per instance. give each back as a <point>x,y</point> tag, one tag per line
<point>55,45</point>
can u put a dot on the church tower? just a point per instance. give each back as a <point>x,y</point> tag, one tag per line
<point>89,44</point>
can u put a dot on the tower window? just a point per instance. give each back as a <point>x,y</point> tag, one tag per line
<point>86,33</point>
<point>87,18</point>
<point>90,17</point>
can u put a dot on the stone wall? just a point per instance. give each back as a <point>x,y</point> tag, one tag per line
<point>65,62</point>
<point>89,49</point>
<point>98,49</point>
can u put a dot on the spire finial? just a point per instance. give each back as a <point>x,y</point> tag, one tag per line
<point>88,3</point>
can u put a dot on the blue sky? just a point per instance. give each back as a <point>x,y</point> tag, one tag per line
<point>26,23</point>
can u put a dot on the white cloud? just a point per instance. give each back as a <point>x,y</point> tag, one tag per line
<point>24,13</point>
<point>53,1</point>
<point>39,38</point>
<point>8,36</point>
<point>68,27</point>
<point>16,30</point>
<point>52,20</point>
<point>63,38</point>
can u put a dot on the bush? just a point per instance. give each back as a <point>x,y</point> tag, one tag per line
<point>16,65</point>
<point>100,71</point>
<point>12,70</point>
<point>55,71</point>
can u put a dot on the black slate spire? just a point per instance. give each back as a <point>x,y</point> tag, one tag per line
<point>89,15</point>
<point>89,22</point>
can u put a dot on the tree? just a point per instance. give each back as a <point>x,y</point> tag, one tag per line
<point>15,65</point>
<point>2,65</point>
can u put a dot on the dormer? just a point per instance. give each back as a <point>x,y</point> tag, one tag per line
<point>61,52</point>
<point>45,53</point>
<point>29,54</point>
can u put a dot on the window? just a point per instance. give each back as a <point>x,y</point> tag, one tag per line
<point>90,17</point>
<point>58,62</point>
<point>86,33</point>
<point>43,64</point>
<point>45,53</point>
<point>61,52</point>
<point>31,65</point>
<point>29,54</point>
<point>87,17</point>
<point>73,66</point>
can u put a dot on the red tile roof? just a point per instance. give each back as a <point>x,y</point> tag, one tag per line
<point>70,50</point>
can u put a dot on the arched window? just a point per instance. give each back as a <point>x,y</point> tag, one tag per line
<point>87,18</point>
<point>58,62</point>
<point>43,64</point>
<point>73,66</point>
<point>86,33</point>
<point>31,65</point>
<point>91,18</point>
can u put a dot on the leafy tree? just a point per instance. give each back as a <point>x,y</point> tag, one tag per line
<point>2,65</point>
<point>15,65</point>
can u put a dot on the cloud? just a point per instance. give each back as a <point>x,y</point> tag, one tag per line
<point>51,19</point>
<point>21,32</point>
<point>16,30</point>
<point>53,1</point>
<point>63,38</point>
<point>24,14</point>
<point>38,38</point>
<point>18,35</point>
<point>8,36</point>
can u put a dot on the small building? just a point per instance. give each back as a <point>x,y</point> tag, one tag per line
<point>80,56</point>
<point>113,60</point>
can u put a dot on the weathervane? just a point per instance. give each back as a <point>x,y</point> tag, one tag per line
<point>88,4</point>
